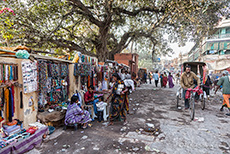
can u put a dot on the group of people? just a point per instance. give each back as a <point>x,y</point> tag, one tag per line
<point>119,107</point>
<point>164,79</point>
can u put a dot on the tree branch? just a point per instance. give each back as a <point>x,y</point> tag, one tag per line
<point>118,11</point>
<point>86,12</point>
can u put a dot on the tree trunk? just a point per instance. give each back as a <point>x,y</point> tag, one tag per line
<point>101,47</point>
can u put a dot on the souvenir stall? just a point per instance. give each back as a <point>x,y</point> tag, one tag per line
<point>18,105</point>
<point>53,89</point>
<point>85,71</point>
<point>102,77</point>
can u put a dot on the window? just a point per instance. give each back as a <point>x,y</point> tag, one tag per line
<point>227,52</point>
<point>222,52</point>
<point>228,30</point>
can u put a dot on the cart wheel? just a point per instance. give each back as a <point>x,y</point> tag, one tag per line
<point>177,101</point>
<point>203,103</point>
<point>192,108</point>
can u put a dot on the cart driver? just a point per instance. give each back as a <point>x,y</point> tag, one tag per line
<point>187,81</point>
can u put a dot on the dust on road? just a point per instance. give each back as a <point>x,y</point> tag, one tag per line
<point>155,125</point>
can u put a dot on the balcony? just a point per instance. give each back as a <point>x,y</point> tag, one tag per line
<point>218,38</point>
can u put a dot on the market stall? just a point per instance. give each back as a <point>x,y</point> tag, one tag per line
<point>53,89</point>
<point>85,71</point>
<point>20,83</point>
<point>18,102</point>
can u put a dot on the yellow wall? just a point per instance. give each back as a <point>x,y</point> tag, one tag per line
<point>73,86</point>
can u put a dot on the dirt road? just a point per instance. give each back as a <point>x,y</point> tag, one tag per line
<point>155,125</point>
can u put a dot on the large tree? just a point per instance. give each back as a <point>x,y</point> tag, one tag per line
<point>106,27</point>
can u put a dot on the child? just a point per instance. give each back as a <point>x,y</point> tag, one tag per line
<point>100,107</point>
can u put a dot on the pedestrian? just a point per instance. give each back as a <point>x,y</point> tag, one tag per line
<point>127,75</point>
<point>100,108</point>
<point>150,78</point>
<point>170,79</point>
<point>117,108</point>
<point>225,82</point>
<point>161,77</point>
<point>165,79</point>
<point>156,78</point>
<point>145,77</point>
<point>75,114</point>
<point>122,75</point>
<point>207,85</point>
<point>177,78</point>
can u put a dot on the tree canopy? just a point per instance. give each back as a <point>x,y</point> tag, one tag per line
<point>103,28</point>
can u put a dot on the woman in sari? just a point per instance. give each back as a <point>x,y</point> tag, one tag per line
<point>161,77</point>
<point>117,109</point>
<point>170,79</point>
<point>165,79</point>
<point>75,114</point>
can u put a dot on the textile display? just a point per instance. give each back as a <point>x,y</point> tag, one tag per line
<point>29,74</point>
<point>55,70</point>
<point>8,73</point>
<point>77,69</point>
<point>64,70</point>
<point>82,69</point>
<point>53,79</point>
<point>26,144</point>
<point>9,102</point>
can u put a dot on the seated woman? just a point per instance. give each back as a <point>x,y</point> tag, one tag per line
<point>75,114</point>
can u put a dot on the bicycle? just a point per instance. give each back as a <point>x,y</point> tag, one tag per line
<point>192,95</point>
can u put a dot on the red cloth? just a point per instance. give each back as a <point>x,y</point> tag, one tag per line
<point>187,94</point>
<point>88,96</point>
<point>165,79</point>
<point>198,90</point>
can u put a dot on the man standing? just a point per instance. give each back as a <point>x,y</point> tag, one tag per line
<point>156,78</point>
<point>187,81</point>
<point>225,82</point>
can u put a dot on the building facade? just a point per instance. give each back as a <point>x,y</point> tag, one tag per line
<point>214,49</point>
<point>129,59</point>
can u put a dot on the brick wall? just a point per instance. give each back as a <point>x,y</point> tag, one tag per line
<point>125,58</point>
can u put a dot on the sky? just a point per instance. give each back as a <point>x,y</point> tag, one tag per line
<point>176,49</point>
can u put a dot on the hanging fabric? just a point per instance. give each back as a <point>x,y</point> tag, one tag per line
<point>21,100</point>
<point>6,94</point>
<point>1,116</point>
<point>11,73</point>
<point>13,103</point>
<point>6,72</point>
<point>15,73</point>
<point>1,104</point>
<point>1,75</point>
<point>88,83</point>
<point>2,99</point>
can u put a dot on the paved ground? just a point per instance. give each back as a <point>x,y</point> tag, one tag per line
<point>155,125</point>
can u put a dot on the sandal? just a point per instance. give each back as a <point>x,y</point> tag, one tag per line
<point>110,124</point>
<point>84,127</point>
